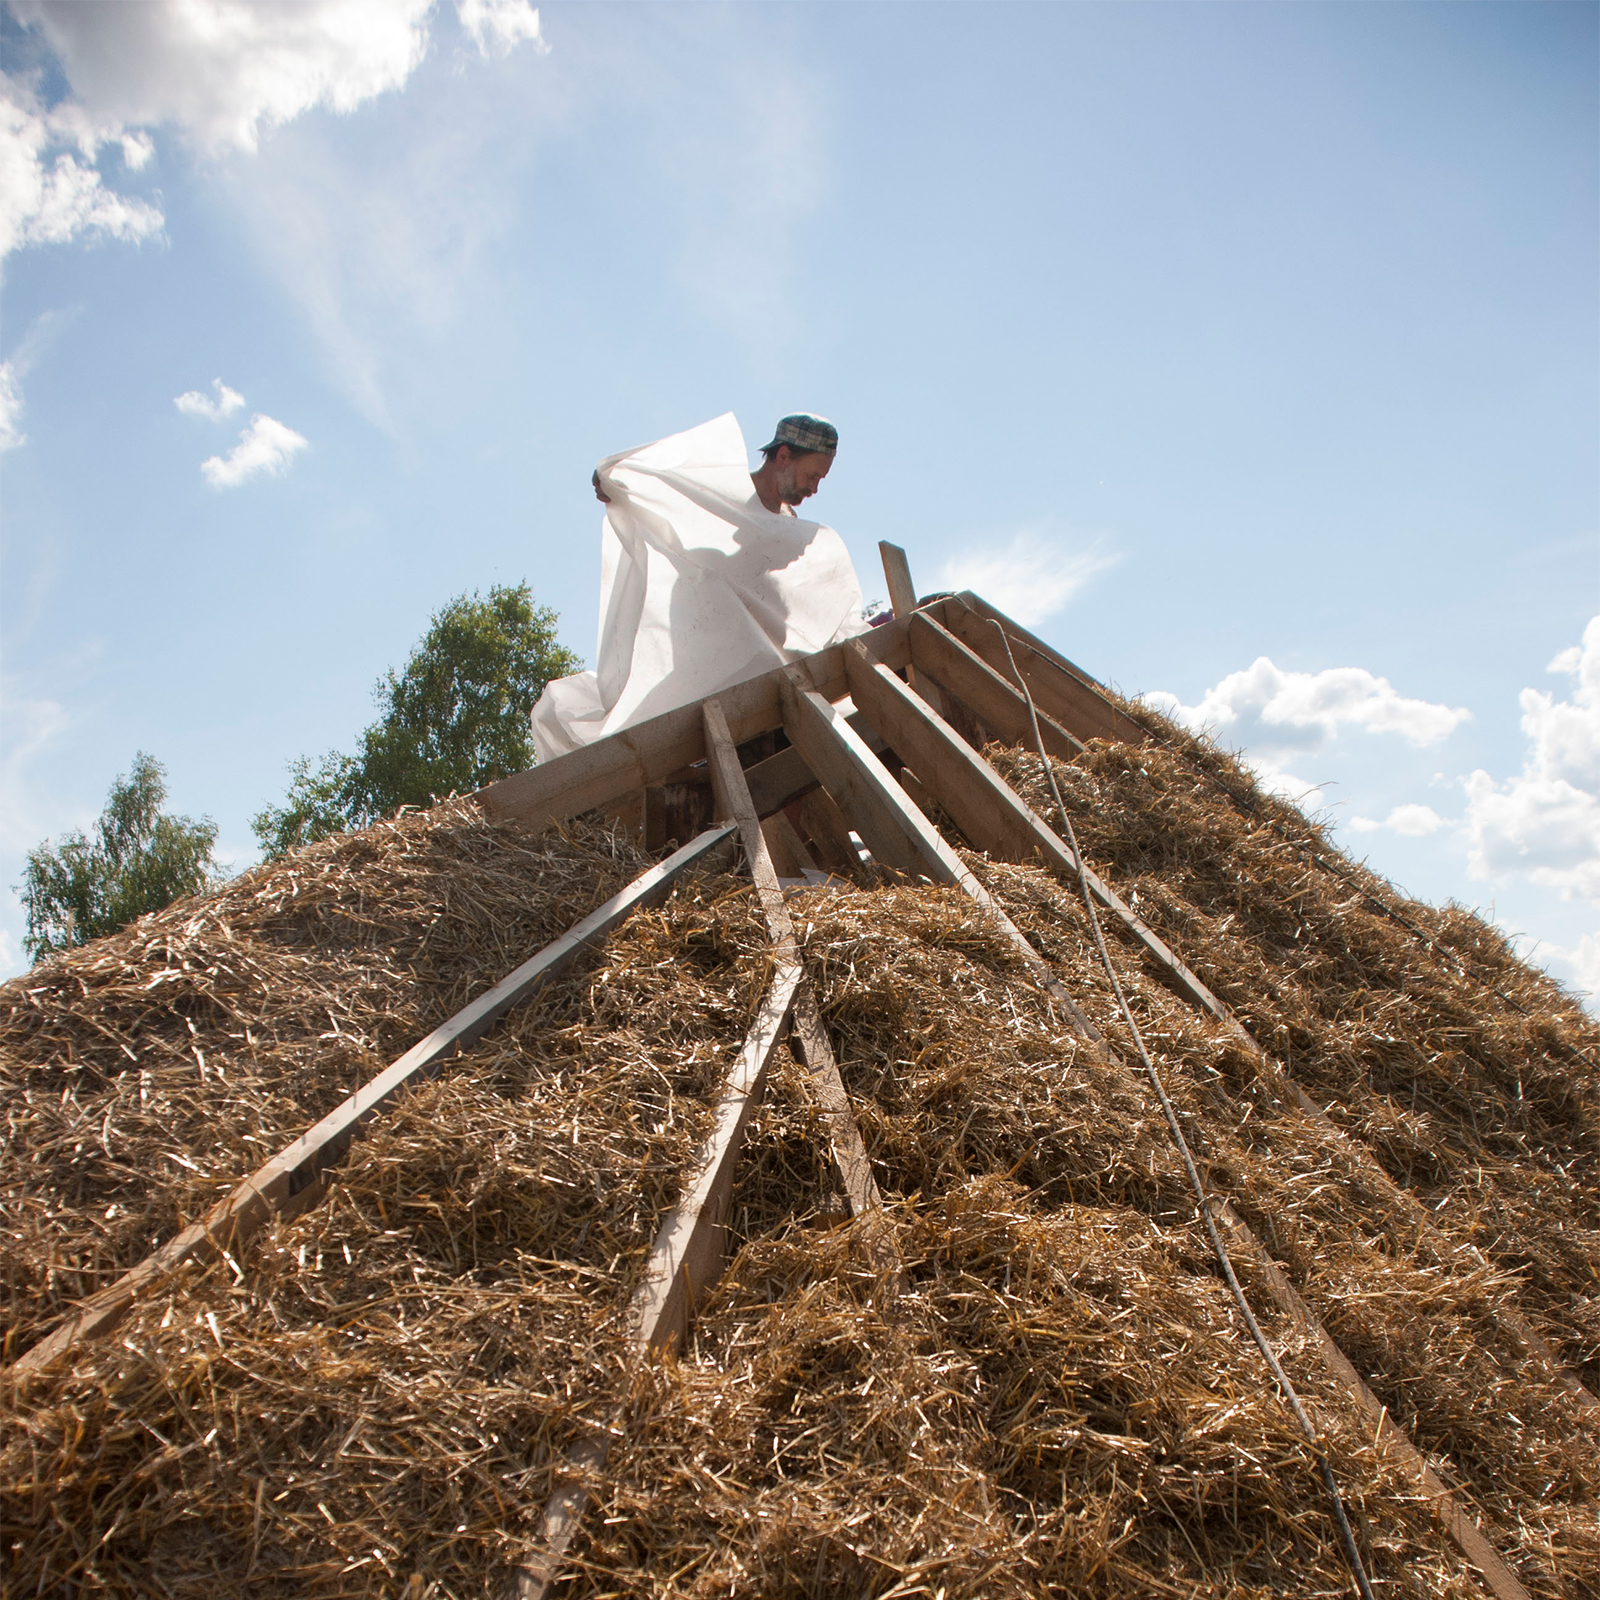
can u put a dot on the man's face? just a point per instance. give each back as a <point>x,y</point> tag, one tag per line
<point>800,476</point>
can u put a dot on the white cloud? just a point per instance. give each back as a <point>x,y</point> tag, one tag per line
<point>194,403</point>
<point>499,26</point>
<point>1265,706</point>
<point>266,446</point>
<point>1031,577</point>
<point>1414,821</point>
<point>222,72</point>
<point>1585,964</point>
<point>48,193</point>
<point>11,434</point>
<point>1544,824</point>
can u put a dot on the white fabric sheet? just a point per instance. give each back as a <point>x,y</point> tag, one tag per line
<point>701,587</point>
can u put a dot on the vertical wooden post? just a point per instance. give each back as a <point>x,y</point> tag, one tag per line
<point>903,601</point>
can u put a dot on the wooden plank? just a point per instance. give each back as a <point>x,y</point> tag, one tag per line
<point>903,602</point>
<point>290,1180</point>
<point>784,778</point>
<point>988,810</point>
<point>937,653</point>
<point>787,845</point>
<point>897,574</point>
<point>687,1257</point>
<point>1466,1533</point>
<point>653,751</point>
<point>1129,731</point>
<point>1082,710</point>
<point>850,1155</point>
<point>840,758</point>
<point>684,1262</point>
<point>821,821</point>
<point>871,798</point>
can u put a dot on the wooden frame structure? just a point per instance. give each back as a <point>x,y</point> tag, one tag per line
<point>903,710</point>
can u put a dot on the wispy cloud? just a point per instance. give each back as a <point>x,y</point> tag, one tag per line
<point>30,348</point>
<point>195,403</point>
<point>266,447</point>
<point>1036,573</point>
<point>498,26</point>
<point>11,434</point>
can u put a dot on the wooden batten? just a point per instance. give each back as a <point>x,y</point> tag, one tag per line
<point>291,1180</point>
<point>849,1152</point>
<point>1388,1437</point>
<point>882,811</point>
<point>989,811</point>
<point>685,1260</point>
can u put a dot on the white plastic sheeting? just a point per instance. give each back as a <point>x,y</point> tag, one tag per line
<point>700,587</point>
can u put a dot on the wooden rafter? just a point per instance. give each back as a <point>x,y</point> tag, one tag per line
<point>844,1133</point>
<point>685,1259</point>
<point>939,655</point>
<point>292,1180</point>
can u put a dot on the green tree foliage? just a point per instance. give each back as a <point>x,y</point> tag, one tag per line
<point>138,860</point>
<point>454,720</point>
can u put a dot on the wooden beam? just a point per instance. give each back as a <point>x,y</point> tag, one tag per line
<point>788,848</point>
<point>989,811</point>
<point>1132,733</point>
<point>291,1180</point>
<point>833,750</point>
<point>1072,699</point>
<point>849,1152</point>
<point>891,823</point>
<point>821,821</point>
<point>784,778</point>
<point>938,654</point>
<point>903,602</point>
<point>654,751</point>
<point>684,1261</point>
<point>897,574</point>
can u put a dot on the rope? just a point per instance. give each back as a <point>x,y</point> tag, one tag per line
<point>1346,1537</point>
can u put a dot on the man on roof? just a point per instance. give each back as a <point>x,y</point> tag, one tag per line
<point>792,466</point>
<point>708,576</point>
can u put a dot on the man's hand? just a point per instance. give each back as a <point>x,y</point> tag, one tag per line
<point>599,493</point>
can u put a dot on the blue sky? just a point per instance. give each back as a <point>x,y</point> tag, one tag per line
<point>1249,352</point>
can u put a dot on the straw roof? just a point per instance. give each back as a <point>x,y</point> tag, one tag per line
<point>381,1394</point>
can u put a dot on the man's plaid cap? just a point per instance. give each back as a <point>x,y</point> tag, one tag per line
<point>805,432</point>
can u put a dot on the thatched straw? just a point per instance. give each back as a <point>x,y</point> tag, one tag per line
<point>146,1073</point>
<point>1061,1401</point>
